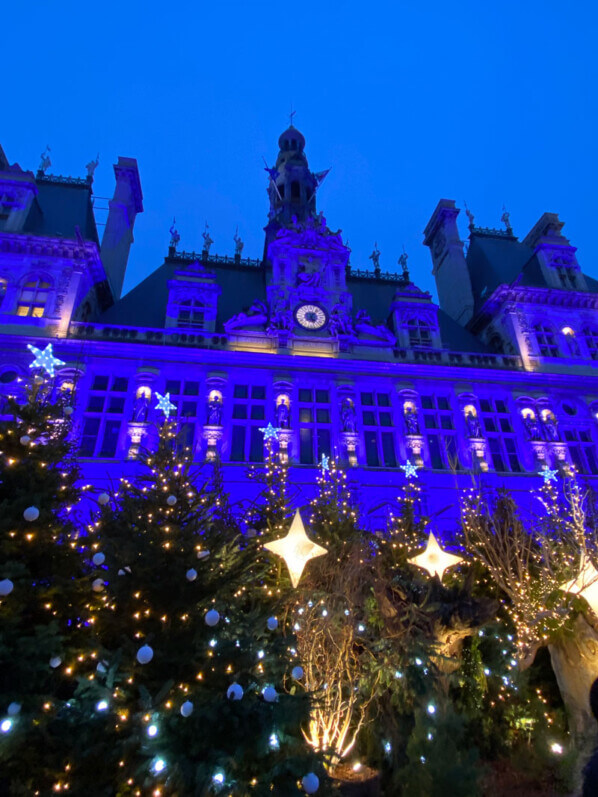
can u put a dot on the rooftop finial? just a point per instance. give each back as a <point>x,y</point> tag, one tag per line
<point>469,215</point>
<point>403,263</point>
<point>292,115</point>
<point>45,161</point>
<point>174,235</point>
<point>506,220</point>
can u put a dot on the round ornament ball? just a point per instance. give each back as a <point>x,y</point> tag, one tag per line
<point>234,692</point>
<point>25,440</point>
<point>38,380</point>
<point>6,587</point>
<point>191,574</point>
<point>13,709</point>
<point>98,585</point>
<point>68,410</point>
<point>171,500</point>
<point>212,618</point>
<point>272,623</point>
<point>270,694</point>
<point>55,661</point>
<point>31,513</point>
<point>187,708</point>
<point>103,499</point>
<point>310,783</point>
<point>297,673</point>
<point>98,559</point>
<point>145,654</point>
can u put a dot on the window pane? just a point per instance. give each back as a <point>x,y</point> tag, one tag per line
<point>173,387</point>
<point>100,383</point>
<point>511,450</point>
<point>258,412</point>
<point>95,404</point>
<point>485,405</point>
<point>385,419</point>
<point>489,424</point>
<point>446,422</point>
<point>116,404</point>
<point>37,312</point>
<point>191,388</point>
<point>429,422</point>
<point>371,449</point>
<point>367,399</point>
<point>189,409</point>
<point>239,410</point>
<point>120,384</point>
<point>256,445</point>
<point>88,437</point>
<point>240,391</point>
<point>305,415</point>
<point>435,455</point>
<point>505,425</point>
<point>237,450</point>
<point>323,443</point>
<point>306,456</point>
<point>258,392</point>
<point>369,418</point>
<point>501,406</point>
<point>322,397</point>
<point>427,402</point>
<point>305,395</point>
<point>497,457</point>
<point>576,457</point>
<point>184,438</point>
<point>452,457</point>
<point>323,416</point>
<point>388,450</point>
<point>110,439</point>
<point>591,459</point>
<point>443,403</point>
<point>383,400</point>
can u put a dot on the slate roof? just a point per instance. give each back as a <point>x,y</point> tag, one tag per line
<point>61,205</point>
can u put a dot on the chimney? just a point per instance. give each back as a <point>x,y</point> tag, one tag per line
<point>124,206</point>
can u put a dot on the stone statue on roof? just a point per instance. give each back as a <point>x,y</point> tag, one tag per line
<point>174,235</point>
<point>470,216</point>
<point>375,256</point>
<point>207,240</point>
<point>238,243</point>
<point>402,261</point>
<point>45,161</point>
<point>91,167</point>
<point>506,219</point>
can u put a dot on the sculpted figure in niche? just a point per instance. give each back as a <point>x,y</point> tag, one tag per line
<point>532,427</point>
<point>411,422</point>
<point>348,416</point>
<point>340,321</point>
<point>550,425</point>
<point>282,414</point>
<point>311,279</point>
<point>473,425</point>
<point>215,411</point>
<point>140,408</point>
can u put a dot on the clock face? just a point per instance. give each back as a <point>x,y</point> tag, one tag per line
<point>310,316</point>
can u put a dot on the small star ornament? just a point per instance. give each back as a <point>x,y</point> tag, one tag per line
<point>44,359</point>
<point>296,549</point>
<point>586,583</point>
<point>547,474</point>
<point>269,432</point>
<point>434,559</point>
<point>165,404</point>
<point>325,462</point>
<point>409,469</point>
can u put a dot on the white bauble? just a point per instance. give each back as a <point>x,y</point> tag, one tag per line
<point>171,500</point>
<point>191,574</point>
<point>55,661</point>
<point>234,692</point>
<point>297,673</point>
<point>98,559</point>
<point>98,585</point>
<point>272,623</point>
<point>102,668</point>
<point>68,410</point>
<point>270,694</point>
<point>212,618</point>
<point>203,554</point>
<point>103,499</point>
<point>187,708</point>
<point>6,587</point>
<point>310,782</point>
<point>31,513</point>
<point>13,709</point>
<point>145,654</point>
<point>25,439</point>
<point>38,380</point>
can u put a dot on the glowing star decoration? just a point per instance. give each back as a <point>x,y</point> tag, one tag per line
<point>165,404</point>
<point>434,559</point>
<point>296,549</point>
<point>324,464</point>
<point>547,474</point>
<point>269,431</point>
<point>409,469</point>
<point>44,359</point>
<point>586,584</point>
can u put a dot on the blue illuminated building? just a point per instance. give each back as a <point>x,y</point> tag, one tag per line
<point>500,378</point>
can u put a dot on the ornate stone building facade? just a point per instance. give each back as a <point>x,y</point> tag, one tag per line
<point>500,379</point>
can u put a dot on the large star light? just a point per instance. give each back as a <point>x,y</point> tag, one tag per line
<point>409,469</point>
<point>586,583</point>
<point>165,404</point>
<point>44,359</point>
<point>269,431</point>
<point>434,559</point>
<point>547,474</point>
<point>296,549</point>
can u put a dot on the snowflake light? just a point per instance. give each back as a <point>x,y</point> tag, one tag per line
<point>44,359</point>
<point>434,559</point>
<point>165,404</point>
<point>409,469</point>
<point>296,549</point>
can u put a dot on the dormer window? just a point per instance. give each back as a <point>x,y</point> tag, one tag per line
<point>33,298</point>
<point>591,339</point>
<point>567,277</point>
<point>191,314</point>
<point>546,340</point>
<point>420,333</point>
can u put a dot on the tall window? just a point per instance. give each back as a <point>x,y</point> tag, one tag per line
<point>499,433</point>
<point>582,450</point>
<point>184,394</point>
<point>249,414</point>
<point>440,431</point>
<point>420,333</point>
<point>314,425</point>
<point>3,288</point>
<point>378,437</point>
<point>33,298</point>
<point>546,340</point>
<point>566,277</point>
<point>191,314</point>
<point>103,416</point>
<point>591,338</point>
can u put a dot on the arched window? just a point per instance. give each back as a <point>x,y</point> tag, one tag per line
<point>33,298</point>
<point>295,190</point>
<point>591,338</point>
<point>191,314</point>
<point>420,333</point>
<point>546,340</point>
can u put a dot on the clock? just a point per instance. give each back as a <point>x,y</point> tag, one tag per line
<point>310,316</point>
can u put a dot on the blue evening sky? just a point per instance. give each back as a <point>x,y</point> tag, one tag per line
<point>408,102</point>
